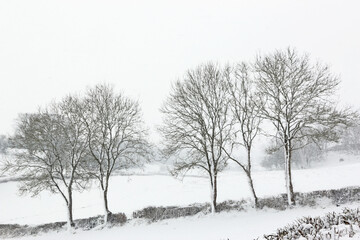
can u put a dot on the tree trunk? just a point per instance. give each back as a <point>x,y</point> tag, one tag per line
<point>69,206</point>
<point>251,183</point>
<point>107,212</point>
<point>213,193</point>
<point>289,185</point>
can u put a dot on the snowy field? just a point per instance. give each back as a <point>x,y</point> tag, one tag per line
<point>222,226</point>
<point>129,193</point>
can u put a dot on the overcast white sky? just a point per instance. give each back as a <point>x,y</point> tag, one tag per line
<point>51,48</point>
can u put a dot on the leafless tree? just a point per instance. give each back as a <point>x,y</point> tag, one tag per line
<point>350,139</point>
<point>116,135</point>
<point>4,144</point>
<point>246,118</point>
<point>51,151</point>
<point>196,125</point>
<point>302,158</point>
<point>311,153</point>
<point>298,102</point>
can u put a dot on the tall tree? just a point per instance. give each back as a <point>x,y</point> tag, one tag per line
<point>196,125</point>
<point>51,152</point>
<point>116,135</point>
<point>246,119</point>
<point>298,101</point>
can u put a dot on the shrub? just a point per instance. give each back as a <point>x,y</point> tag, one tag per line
<point>331,226</point>
<point>117,219</point>
<point>159,213</point>
<point>15,230</point>
<point>230,205</point>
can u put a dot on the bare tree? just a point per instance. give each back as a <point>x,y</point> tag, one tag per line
<point>298,102</point>
<point>51,150</point>
<point>350,139</point>
<point>4,144</point>
<point>311,153</point>
<point>116,136</point>
<point>246,118</point>
<point>196,125</point>
<point>302,158</point>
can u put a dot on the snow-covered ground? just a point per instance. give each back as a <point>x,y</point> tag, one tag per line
<point>129,193</point>
<point>232,225</point>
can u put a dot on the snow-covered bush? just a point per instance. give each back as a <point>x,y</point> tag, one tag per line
<point>331,226</point>
<point>230,205</point>
<point>15,230</point>
<point>278,202</point>
<point>117,219</point>
<point>92,222</point>
<point>335,196</point>
<point>159,213</point>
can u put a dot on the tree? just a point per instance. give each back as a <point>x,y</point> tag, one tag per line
<point>298,102</point>
<point>115,135</point>
<point>51,152</point>
<point>303,158</point>
<point>196,125</point>
<point>246,118</point>
<point>4,144</point>
<point>311,153</point>
<point>350,139</point>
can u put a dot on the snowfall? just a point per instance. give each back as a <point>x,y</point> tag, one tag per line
<point>130,193</point>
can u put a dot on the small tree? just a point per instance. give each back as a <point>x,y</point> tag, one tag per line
<point>51,152</point>
<point>115,135</point>
<point>196,124</point>
<point>298,102</point>
<point>246,118</point>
